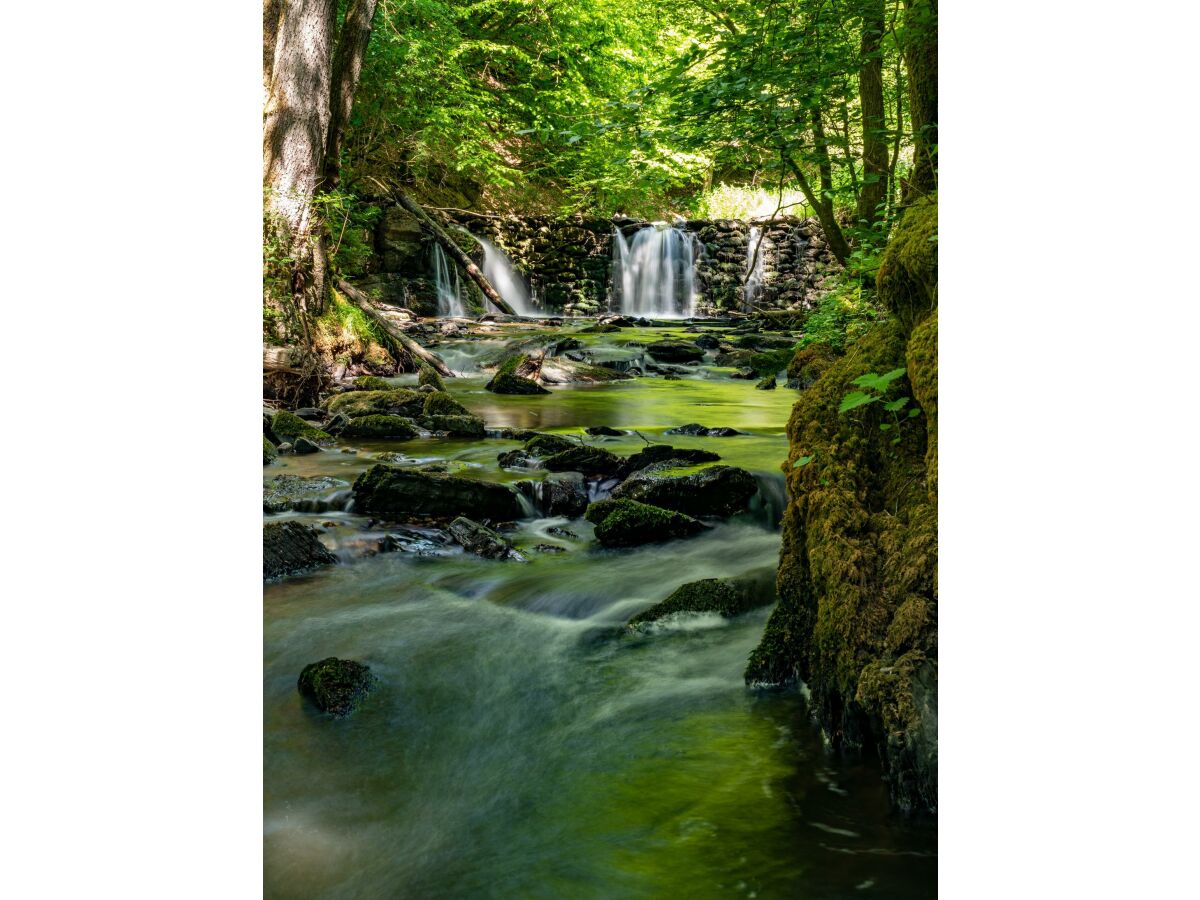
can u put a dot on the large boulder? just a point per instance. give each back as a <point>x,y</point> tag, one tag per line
<point>728,597</point>
<point>627,523</point>
<point>426,376</point>
<point>398,402</point>
<point>455,426</point>
<point>481,540</point>
<point>544,445</point>
<point>586,459</point>
<point>440,403</point>
<point>561,370</point>
<point>660,453</point>
<point>290,548</point>
<point>382,427</point>
<point>401,493</point>
<point>810,363</point>
<point>712,491</point>
<point>303,493</point>
<point>508,379</point>
<point>558,494</point>
<point>336,686</point>
<point>288,427</point>
<point>673,351</point>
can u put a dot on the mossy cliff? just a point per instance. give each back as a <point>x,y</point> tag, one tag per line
<point>857,579</point>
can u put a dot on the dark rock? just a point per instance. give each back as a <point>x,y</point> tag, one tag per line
<point>549,444</point>
<point>384,427</point>
<point>713,491</point>
<point>517,459</point>
<point>728,597</point>
<point>675,351</point>
<point>389,491</point>
<point>745,373</point>
<point>285,447</point>
<point>269,452</point>
<point>604,431</point>
<point>304,445</point>
<point>559,531</point>
<point>504,383</point>
<point>511,434</point>
<point>336,686</point>
<point>696,430</point>
<point>626,523</point>
<point>455,426</point>
<point>549,548</point>
<point>558,494</point>
<point>337,424</point>
<point>766,384</point>
<point>585,459</point>
<point>400,402</point>
<point>599,329</point>
<point>562,346</point>
<point>440,403</point>
<point>311,414</point>
<point>290,548</point>
<point>660,453</point>
<point>304,494</point>
<point>707,342</point>
<point>481,540</point>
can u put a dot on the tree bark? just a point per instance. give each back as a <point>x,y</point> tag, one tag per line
<point>893,195</point>
<point>347,66</point>
<point>453,249</point>
<point>874,121</point>
<point>359,299</point>
<point>920,56</point>
<point>295,127</point>
<point>825,214</point>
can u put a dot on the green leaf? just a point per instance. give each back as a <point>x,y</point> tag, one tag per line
<point>854,400</point>
<point>884,426</point>
<point>896,405</point>
<point>912,413</point>
<point>802,461</point>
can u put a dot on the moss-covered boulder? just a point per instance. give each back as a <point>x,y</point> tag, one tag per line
<point>627,523</point>
<point>427,376</point>
<point>398,402</point>
<point>717,491</point>
<point>269,452</point>
<point>810,363</point>
<point>548,444</point>
<point>661,453</point>
<point>481,540</point>
<point>766,384</point>
<point>290,548</point>
<point>908,272</point>
<point>675,351</point>
<point>455,426</point>
<point>586,459</point>
<point>398,493</point>
<point>728,597</point>
<point>336,686</point>
<point>507,381</point>
<point>397,428</point>
<point>370,383</point>
<point>440,403</point>
<point>921,359</point>
<point>288,427</point>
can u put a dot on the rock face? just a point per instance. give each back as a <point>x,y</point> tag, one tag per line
<point>336,686</point>
<point>290,548</point>
<point>401,493</point>
<point>675,351</point>
<point>728,597</point>
<point>713,491</point>
<point>857,580</point>
<point>481,540</point>
<point>627,523</point>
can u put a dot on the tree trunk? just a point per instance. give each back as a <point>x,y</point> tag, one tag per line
<point>453,249</point>
<point>347,66</point>
<point>359,299</point>
<point>825,215</point>
<point>920,55</point>
<point>295,127</point>
<point>893,194</point>
<point>874,121</point>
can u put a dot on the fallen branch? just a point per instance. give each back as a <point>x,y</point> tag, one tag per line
<point>359,299</point>
<point>455,251</point>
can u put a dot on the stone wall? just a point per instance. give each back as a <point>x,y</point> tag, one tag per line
<point>567,262</point>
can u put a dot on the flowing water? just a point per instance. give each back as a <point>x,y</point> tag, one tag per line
<point>654,274</point>
<point>499,270</point>
<point>755,266</point>
<point>520,744</point>
<point>445,280</point>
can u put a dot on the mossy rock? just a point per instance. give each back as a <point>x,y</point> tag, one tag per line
<point>269,452</point>
<point>717,491</point>
<point>599,329</point>
<point>922,360</point>
<point>395,402</point>
<point>661,453</point>
<point>627,523</point>
<point>336,686</point>
<point>767,384</point>
<point>586,459</point>
<point>770,363</point>
<point>427,376</point>
<point>371,383</point>
<point>728,597</point>
<point>440,403</point>
<point>675,351</point>
<point>549,444</point>
<point>908,271</point>
<point>514,384</point>
<point>456,426</point>
<point>288,427</point>
<point>290,548</point>
<point>387,427</point>
<point>810,363</point>
<point>406,493</point>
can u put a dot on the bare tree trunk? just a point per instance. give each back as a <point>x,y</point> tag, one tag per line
<point>920,55</point>
<point>453,249</point>
<point>893,195</point>
<point>271,14</point>
<point>347,66</point>
<point>825,214</point>
<point>359,299</point>
<point>295,127</point>
<point>874,121</point>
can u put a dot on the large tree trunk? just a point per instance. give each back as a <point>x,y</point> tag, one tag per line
<point>874,122</point>
<point>453,249</point>
<point>825,214</point>
<point>347,66</point>
<point>363,302</point>
<point>920,55</point>
<point>295,128</point>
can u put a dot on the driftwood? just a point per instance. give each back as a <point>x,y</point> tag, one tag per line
<point>359,299</point>
<point>455,251</point>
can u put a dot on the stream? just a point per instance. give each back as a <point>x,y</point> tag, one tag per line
<point>520,745</point>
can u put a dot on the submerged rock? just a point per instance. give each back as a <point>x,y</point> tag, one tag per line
<point>727,597</point>
<point>675,351</point>
<point>708,342</point>
<point>311,414</point>
<point>386,427</point>
<point>290,548</point>
<point>336,686</point>
<point>299,492</point>
<point>604,431</point>
<point>696,430</point>
<point>713,491</point>
<point>481,540</point>
<point>389,491</point>
<point>562,370</point>
<point>303,445</point>
<point>627,523</point>
<point>399,402</point>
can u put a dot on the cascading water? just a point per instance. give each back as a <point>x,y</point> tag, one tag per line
<point>755,256</point>
<point>445,280</point>
<point>499,270</point>
<point>654,274</point>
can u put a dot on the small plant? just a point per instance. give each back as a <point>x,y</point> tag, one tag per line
<point>874,389</point>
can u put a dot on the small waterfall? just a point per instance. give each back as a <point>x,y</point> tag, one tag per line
<point>445,280</point>
<point>499,270</point>
<point>754,266</point>
<point>654,274</point>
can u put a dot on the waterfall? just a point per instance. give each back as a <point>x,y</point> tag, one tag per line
<point>654,274</point>
<point>754,266</point>
<point>445,280</point>
<point>499,270</point>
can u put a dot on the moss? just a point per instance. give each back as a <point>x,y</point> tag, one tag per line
<point>427,376</point>
<point>336,686</point>
<point>724,596</point>
<point>770,363</point>
<point>549,444</point>
<point>922,358</point>
<point>810,363</point>
<point>456,426</point>
<point>710,490</point>
<point>269,452</point>
<point>440,403</point>
<point>371,383</point>
<point>288,427</point>
<point>627,523</point>
<point>658,453</point>
<point>585,459</point>
<point>507,381</point>
<point>393,427</point>
<point>395,402</point>
<point>907,279</point>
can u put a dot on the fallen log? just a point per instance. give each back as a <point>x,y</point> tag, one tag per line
<point>455,251</point>
<point>359,299</point>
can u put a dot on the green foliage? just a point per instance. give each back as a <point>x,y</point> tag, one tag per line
<point>843,315</point>
<point>874,389</point>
